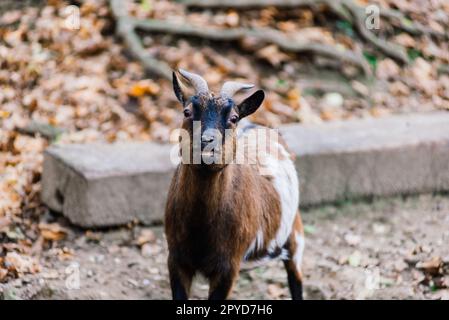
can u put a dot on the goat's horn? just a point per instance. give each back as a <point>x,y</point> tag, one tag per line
<point>195,80</point>
<point>232,87</point>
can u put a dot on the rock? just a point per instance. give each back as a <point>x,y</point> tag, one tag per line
<point>150,250</point>
<point>332,100</point>
<point>432,266</point>
<point>97,185</point>
<point>314,292</point>
<point>400,265</point>
<point>355,259</point>
<point>352,239</point>
<point>352,159</point>
<point>379,228</point>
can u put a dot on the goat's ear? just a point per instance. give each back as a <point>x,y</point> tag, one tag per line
<point>177,89</point>
<point>251,104</point>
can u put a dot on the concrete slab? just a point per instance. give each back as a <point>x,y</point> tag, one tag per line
<point>97,185</point>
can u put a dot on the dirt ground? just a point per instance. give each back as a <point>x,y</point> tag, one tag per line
<point>386,249</point>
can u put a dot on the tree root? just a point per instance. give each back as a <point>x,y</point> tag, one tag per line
<point>263,35</point>
<point>127,27</point>
<point>359,17</point>
<point>249,4</point>
<point>345,9</point>
<point>397,19</point>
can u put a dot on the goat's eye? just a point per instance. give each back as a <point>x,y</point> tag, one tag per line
<point>187,113</point>
<point>234,119</point>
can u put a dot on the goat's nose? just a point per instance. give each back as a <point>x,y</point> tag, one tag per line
<point>207,138</point>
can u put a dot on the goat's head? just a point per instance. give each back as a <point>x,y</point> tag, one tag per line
<point>211,121</point>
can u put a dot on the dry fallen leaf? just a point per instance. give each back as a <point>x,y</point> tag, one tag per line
<point>387,69</point>
<point>52,231</point>
<point>4,114</point>
<point>275,291</point>
<point>232,19</point>
<point>150,250</point>
<point>378,111</point>
<point>329,115</point>
<point>432,266</point>
<point>418,276</point>
<point>287,26</point>
<point>280,109</point>
<point>400,265</point>
<point>404,39</point>
<point>146,235</point>
<point>398,88</point>
<point>355,259</point>
<point>21,264</point>
<point>422,69</point>
<point>93,236</point>
<point>4,223</point>
<point>144,87</point>
<point>352,239</point>
<point>10,17</point>
<point>305,113</point>
<point>272,54</point>
<point>3,273</point>
<point>65,254</point>
<point>360,88</point>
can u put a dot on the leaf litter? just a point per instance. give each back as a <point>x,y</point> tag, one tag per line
<point>64,86</point>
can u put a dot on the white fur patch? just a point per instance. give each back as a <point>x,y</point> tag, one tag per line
<point>278,165</point>
<point>285,181</point>
<point>247,265</point>
<point>297,256</point>
<point>256,244</point>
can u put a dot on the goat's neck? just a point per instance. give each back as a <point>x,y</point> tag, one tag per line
<point>207,188</point>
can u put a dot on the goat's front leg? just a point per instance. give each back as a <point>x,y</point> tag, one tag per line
<point>180,280</point>
<point>221,284</point>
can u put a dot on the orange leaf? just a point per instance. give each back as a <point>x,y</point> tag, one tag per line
<point>144,87</point>
<point>52,231</point>
<point>3,273</point>
<point>145,236</point>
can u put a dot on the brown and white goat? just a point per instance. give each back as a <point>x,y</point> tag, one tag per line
<point>220,215</point>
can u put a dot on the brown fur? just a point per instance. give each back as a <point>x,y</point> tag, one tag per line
<point>212,218</point>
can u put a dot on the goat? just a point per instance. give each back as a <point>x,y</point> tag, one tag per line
<point>220,215</point>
